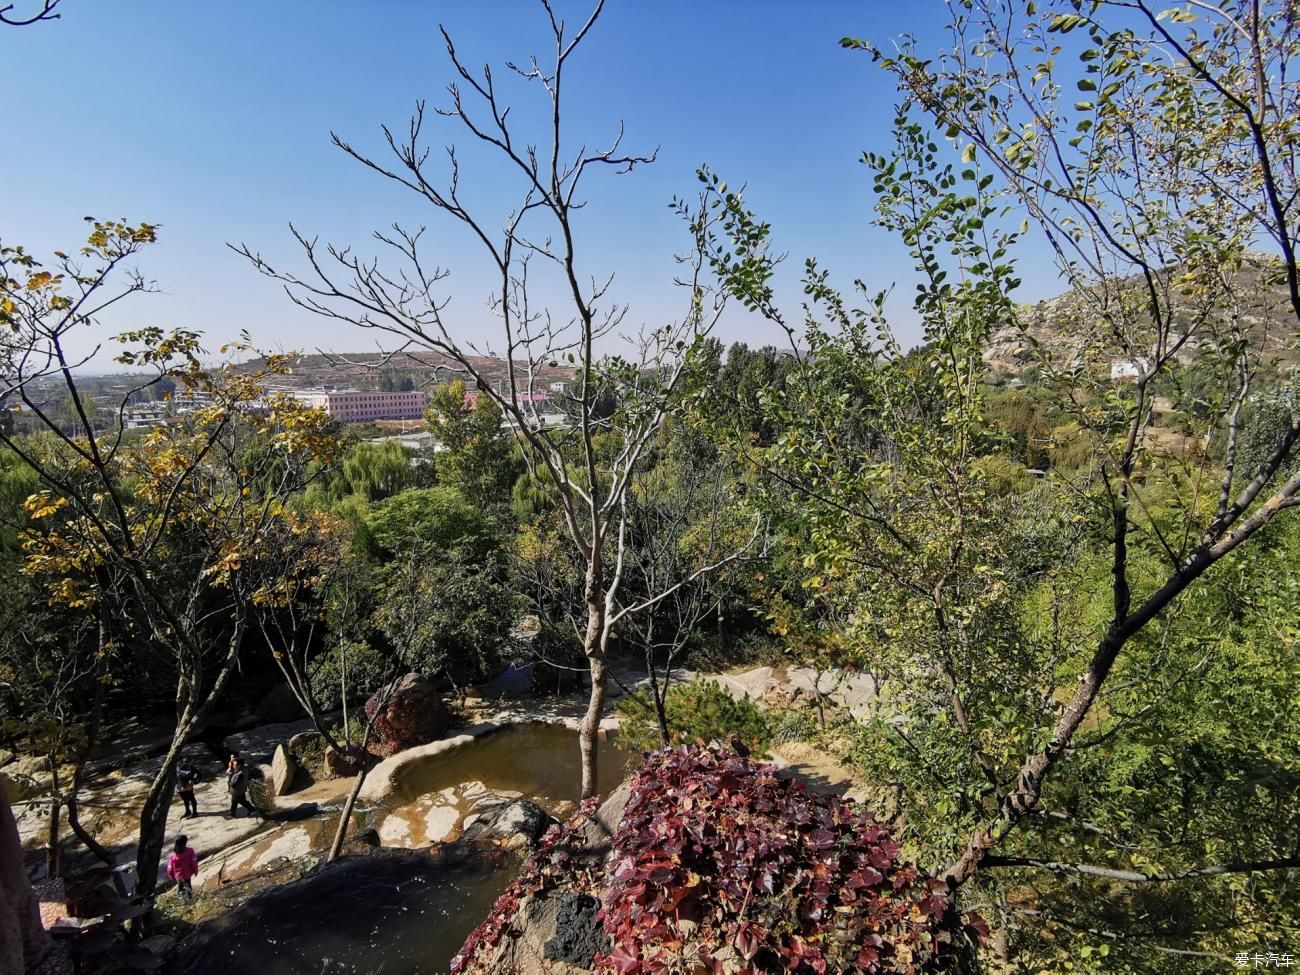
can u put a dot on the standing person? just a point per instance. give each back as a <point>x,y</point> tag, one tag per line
<point>237,783</point>
<point>186,779</point>
<point>182,865</point>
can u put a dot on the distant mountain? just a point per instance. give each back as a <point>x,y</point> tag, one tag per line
<point>407,370</point>
<point>1073,328</point>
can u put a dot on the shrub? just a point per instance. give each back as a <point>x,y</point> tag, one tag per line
<point>720,865</point>
<point>792,724</point>
<point>698,711</point>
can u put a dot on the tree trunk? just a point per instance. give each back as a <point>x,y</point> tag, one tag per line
<point>52,836</point>
<point>346,815</point>
<point>658,695</point>
<point>1024,797</point>
<point>153,817</point>
<point>591,724</point>
<point>157,803</point>
<point>74,821</point>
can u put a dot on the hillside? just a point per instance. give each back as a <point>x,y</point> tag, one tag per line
<point>1071,328</point>
<point>373,370</point>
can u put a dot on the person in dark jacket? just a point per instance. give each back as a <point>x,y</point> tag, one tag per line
<point>186,779</point>
<point>237,783</point>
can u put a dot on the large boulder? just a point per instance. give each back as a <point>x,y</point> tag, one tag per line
<point>283,769</point>
<point>413,715</point>
<point>515,825</point>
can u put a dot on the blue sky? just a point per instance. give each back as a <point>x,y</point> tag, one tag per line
<point>214,119</point>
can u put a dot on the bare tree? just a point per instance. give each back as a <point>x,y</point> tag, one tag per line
<point>591,481</point>
<point>43,12</point>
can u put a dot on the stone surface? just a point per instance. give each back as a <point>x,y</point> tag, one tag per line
<point>385,777</point>
<point>578,932</point>
<point>28,776</point>
<point>515,825</point>
<point>413,714</point>
<point>257,745</point>
<point>336,765</point>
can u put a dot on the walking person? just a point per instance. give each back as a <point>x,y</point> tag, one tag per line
<point>182,865</point>
<point>237,783</point>
<point>186,779</point>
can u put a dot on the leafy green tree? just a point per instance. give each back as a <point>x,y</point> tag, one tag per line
<point>446,612</point>
<point>375,471</point>
<point>479,456</point>
<point>437,518</point>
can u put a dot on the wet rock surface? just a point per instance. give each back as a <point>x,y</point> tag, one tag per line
<point>578,932</point>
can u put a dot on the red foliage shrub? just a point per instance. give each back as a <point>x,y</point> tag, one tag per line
<point>721,866</point>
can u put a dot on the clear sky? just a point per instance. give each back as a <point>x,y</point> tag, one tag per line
<point>214,119</point>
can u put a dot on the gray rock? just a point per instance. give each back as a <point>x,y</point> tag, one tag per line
<point>301,739</point>
<point>337,765</point>
<point>516,825</point>
<point>283,769</point>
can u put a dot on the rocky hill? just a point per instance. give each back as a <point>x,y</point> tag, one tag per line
<point>406,370</point>
<point>1074,328</point>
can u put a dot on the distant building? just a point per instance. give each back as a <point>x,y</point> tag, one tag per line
<point>359,406</point>
<point>524,399</point>
<point>144,415</point>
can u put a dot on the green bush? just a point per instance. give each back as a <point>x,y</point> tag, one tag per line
<point>792,724</point>
<point>700,710</point>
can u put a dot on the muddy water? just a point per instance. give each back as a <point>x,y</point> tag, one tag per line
<point>540,760</point>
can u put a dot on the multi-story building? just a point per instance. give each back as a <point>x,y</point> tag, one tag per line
<point>360,405</point>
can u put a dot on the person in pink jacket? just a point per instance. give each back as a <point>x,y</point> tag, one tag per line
<point>182,865</point>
